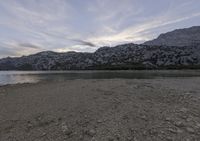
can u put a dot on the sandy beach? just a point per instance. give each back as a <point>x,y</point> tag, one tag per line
<point>102,110</point>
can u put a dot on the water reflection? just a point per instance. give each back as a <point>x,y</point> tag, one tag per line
<point>13,77</point>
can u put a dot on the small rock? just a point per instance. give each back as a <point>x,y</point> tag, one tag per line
<point>117,136</point>
<point>188,139</point>
<point>179,131</point>
<point>184,110</point>
<point>169,138</point>
<point>99,121</point>
<point>172,130</point>
<point>143,117</point>
<point>129,138</point>
<point>111,138</point>
<point>65,129</point>
<point>135,139</point>
<point>167,119</point>
<point>43,134</point>
<point>29,125</point>
<point>91,132</point>
<point>198,125</point>
<point>93,139</point>
<point>81,137</point>
<point>190,130</point>
<point>179,123</point>
<point>189,119</point>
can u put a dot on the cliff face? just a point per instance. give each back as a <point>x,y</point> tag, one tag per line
<point>180,37</point>
<point>128,56</point>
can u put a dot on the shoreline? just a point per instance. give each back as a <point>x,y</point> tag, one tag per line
<point>15,77</point>
<point>101,109</point>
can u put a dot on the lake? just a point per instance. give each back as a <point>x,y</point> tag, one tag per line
<point>14,77</point>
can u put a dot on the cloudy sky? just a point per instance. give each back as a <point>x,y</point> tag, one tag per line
<point>30,26</point>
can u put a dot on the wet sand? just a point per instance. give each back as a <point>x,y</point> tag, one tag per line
<point>102,110</point>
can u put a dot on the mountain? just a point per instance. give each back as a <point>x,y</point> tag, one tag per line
<point>128,56</point>
<point>179,49</point>
<point>180,37</point>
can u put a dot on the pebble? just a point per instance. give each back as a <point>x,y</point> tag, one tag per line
<point>198,125</point>
<point>99,121</point>
<point>167,119</point>
<point>117,136</point>
<point>190,130</point>
<point>184,110</point>
<point>172,130</point>
<point>93,139</point>
<point>169,138</point>
<point>143,117</point>
<point>65,129</point>
<point>81,137</point>
<point>91,132</point>
<point>29,124</point>
<point>43,134</point>
<point>129,138</point>
<point>111,139</point>
<point>189,119</point>
<point>179,123</point>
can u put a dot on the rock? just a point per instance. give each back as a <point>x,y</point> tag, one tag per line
<point>179,123</point>
<point>43,134</point>
<point>93,139</point>
<point>99,121</point>
<point>179,37</point>
<point>172,130</point>
<point>144,117</point>
<point>90,132</point>
<point>65,129</point>
<point>81,137</point>
<point>111,139</point>
<point>169,139</point>
<point>129,138</point>
<point>190,130</point>
<point>167,119</point>
<point>117,136</point>
<point>188,139</point>
<point>198,125</point>
<point>189,119</point>
<point>183,110</point>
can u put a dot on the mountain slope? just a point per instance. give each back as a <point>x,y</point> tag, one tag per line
<point>180,37</point>
<point>173,50</point>
<point>128,56</point>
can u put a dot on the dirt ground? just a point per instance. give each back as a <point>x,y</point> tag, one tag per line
<point>102,110</point>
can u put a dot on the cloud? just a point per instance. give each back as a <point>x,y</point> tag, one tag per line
<point>14,48</point>
<point>141,32</point>
<point>5,52</point>
<point>65,37</point>
<point>84,43</point>
<point>29,45</point>
<point>65,25</point>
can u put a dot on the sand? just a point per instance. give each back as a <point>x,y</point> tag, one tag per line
<point>102,110</point>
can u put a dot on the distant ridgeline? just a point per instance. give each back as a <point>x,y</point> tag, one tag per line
<point>179,49</point>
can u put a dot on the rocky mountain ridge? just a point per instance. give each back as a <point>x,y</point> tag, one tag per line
<point>168,51</point>
<point>179,37</point>
<point>128,56</point>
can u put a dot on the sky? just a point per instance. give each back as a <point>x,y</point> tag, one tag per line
<point>31,26</point>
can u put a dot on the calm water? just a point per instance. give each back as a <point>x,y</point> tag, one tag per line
<point>13,77</point>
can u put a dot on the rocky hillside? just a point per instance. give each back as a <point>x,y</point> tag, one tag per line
<point>174,50</point>
<point>128,56</point>
<point>180,37</point>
